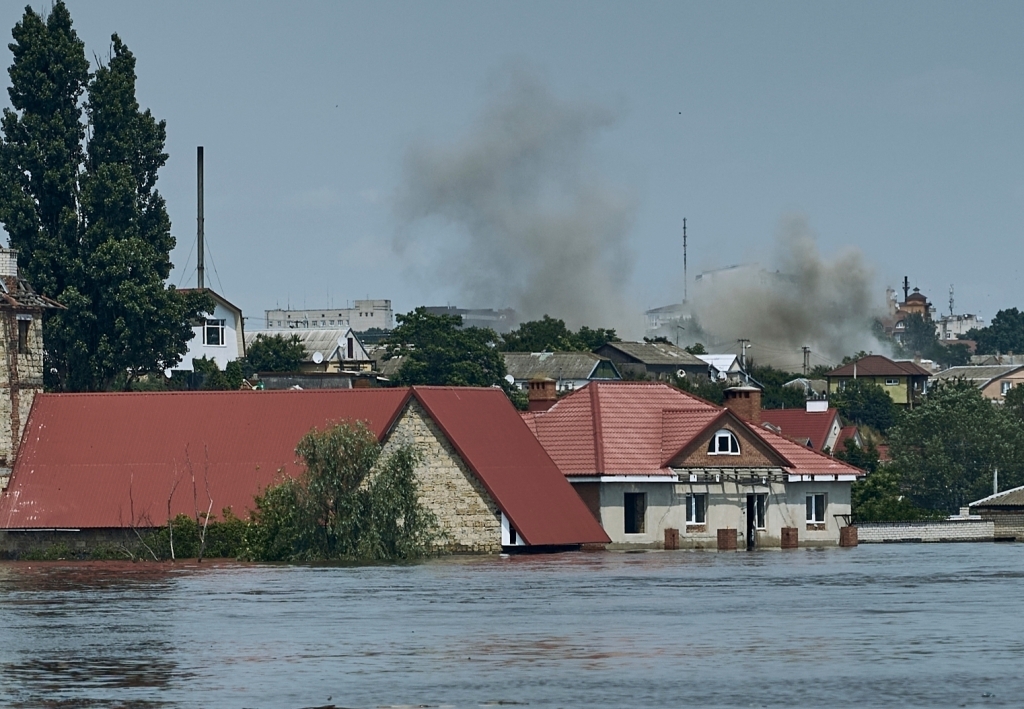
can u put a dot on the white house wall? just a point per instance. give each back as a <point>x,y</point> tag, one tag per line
<point>726,508</point>
<point>222,354</point>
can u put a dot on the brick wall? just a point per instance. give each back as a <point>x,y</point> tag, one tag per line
<point>939,531</point>
<point>468,518</point>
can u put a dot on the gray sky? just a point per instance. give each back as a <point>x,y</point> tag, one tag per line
<point>894,128</point>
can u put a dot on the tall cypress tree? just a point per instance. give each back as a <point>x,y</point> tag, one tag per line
<point>41,153</point>
<point>90,226</point>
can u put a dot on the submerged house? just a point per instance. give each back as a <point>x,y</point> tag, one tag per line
<point>94,467</point>
<point>661,467</point>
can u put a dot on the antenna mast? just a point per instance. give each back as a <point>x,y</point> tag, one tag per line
<point>200,257</point>
<point>685,294</point>
<point>906,288</point>
<point>950,300</point>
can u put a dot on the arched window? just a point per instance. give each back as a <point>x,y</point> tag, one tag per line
<point>724,443</point>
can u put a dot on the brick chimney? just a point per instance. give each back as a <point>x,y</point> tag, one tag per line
<point>745,402</point>
<point>542,394</point>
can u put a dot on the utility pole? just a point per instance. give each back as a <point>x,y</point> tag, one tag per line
<point>685,283</point>
<point>200,256</point>
<point>807,359</point>
<point>906,288</point>
<point>744,343</point>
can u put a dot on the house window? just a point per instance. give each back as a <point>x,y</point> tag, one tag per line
<point>213,333</point>
<point>724,443</point>
<point>1005,387</point>
<point>816,508</point>
<point>696,508</point>
<point>635,504</point>
<point>23,326</point>
<point>892,382</point>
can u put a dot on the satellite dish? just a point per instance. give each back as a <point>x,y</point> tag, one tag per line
<point>510,379</point>
<point>722,376</point>
<point>681,373</point>
<point>341,342</point>
<point>318,357</point>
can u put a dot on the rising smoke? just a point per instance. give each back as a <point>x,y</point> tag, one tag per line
<point>804,300</point>
<point>515,214</point>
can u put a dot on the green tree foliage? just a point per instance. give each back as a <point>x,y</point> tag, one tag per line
<point>878,497</point>
<point>436,350</point>
<point>920,339</point>
<point>225,538</point>
<point>774,395</point>
<point>350,503</point>
<point>230,379</point>
<point>696,348</point>
<point>274,353</point>
<point>1004,334</point>
<point>863,457</point>
<point>551,335</point>
<point>702,386</point>
<point>865,404</point>
<point>1014,403</point>
<point>91,229</point>
<point>948,447</point>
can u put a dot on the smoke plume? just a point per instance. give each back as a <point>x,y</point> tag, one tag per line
<point>806,300</point>
<point>515,214</point>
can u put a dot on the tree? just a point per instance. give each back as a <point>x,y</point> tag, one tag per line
<point>878,497</point>
<point>696,348</point>
<point>919,337</point>
<point>774,394</point>
<point>864,457</point>
<point>274,353</point>
<point>865,404</point>
<point>91,229</point>
<point>350,503</point>
<point>701,386</point>
<point>948,447</point>
<point>1004,334</point>
<point>549,335</point>
<point>1014,403</point>
<point>437,350</point>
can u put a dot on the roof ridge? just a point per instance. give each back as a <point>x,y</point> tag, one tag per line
<point>595,410</point>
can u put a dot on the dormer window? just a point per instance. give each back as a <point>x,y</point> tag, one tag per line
<point>724,443</point>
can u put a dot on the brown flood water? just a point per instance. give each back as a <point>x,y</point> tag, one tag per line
<point>885,625</point>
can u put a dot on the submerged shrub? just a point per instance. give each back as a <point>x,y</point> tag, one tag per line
<point>350,503</point>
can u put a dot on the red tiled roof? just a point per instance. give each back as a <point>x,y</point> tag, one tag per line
<point>802,460</point>
<point>846,433</point>
<point>802,424</point>
<point>95,460</point>
<point>879,366</point>
<point>635,428</point>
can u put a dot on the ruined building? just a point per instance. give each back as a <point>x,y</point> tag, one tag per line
<point>21,356</point>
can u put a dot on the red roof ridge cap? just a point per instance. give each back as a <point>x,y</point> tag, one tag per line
<point>595,410</point>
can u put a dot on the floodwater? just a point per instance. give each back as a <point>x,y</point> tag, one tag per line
<point>882,625</point>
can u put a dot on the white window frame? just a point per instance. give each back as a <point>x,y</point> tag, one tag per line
<point>892,382</point>
<point>732,443</point>
<point>692,508</point>
<point>1005,387</point>
<point>214,324</point>
<point>812,507</point>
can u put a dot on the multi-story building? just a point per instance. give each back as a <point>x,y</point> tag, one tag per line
<point>363,315</point>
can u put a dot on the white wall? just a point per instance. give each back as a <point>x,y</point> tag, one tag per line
<point>726,508</point>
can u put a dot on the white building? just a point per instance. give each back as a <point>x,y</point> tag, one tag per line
<point>220,336</point>
<point>363,315</point>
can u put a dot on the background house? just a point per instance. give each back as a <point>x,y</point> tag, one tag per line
<point>656,360</point>
<point>569,370</point>
<point>363,315</point>
<point>724,367</point>
<point>904,382</point>
<point>326,350</point>
<point>816,425</point>
<point>100,466</point>
<point>993,380</point>
<point>219,336</point>
<point>1006,510</point>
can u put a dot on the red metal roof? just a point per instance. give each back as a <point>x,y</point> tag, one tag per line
<point>109,460</point>
<point>635,428</point>
<point>802,424</point>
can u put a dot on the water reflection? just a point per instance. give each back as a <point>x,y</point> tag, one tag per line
<point>916,625</point>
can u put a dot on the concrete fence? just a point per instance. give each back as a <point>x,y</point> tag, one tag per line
<point>973,530</point>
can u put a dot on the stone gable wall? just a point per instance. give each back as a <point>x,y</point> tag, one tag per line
<point>469,519</point>
<point>21,378</point>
